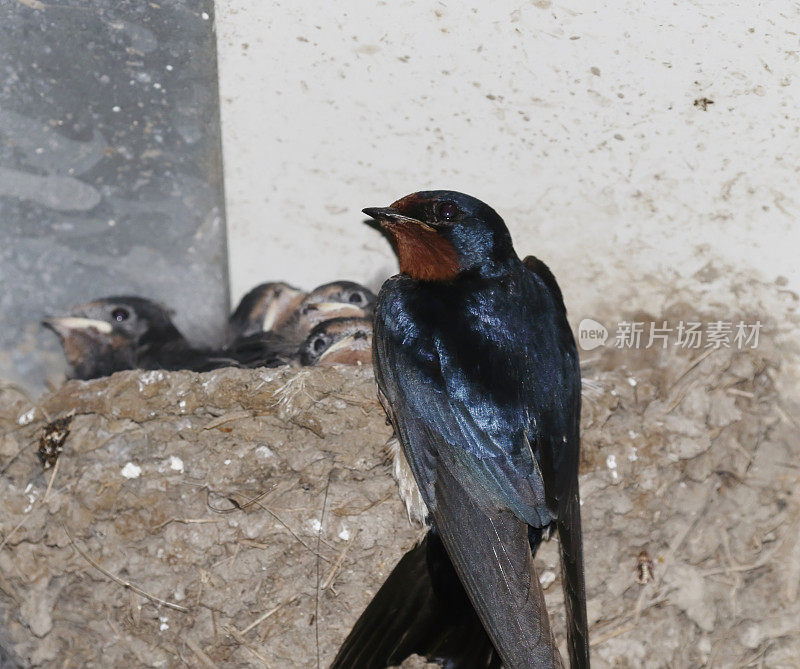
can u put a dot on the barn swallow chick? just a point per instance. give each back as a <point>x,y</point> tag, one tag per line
<point>264,309</point>
<point>116,333</point>
<point>478,372</point>
<point>338,299</point>
<point>339,341</point>
<point>91,346</point>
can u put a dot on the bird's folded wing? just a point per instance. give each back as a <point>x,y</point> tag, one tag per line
<point>498,469</point>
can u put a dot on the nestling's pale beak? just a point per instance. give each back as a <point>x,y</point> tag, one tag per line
<point>338,346</point>
<point>325,307</point>
<point>63,326</point>
<point>277,310</point>
<point>270,316</point>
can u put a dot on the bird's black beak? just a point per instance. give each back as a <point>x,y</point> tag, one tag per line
<point>380,213</point>
<point>386,216</point>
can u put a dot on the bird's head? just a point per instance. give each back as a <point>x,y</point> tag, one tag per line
<point>440,233</point>
<point>344,341</point>
<point>338,299</point>
<point>266,307</point>
<point>342,292</point>
<point>110,328</point>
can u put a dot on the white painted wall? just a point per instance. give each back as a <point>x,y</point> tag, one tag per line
<point>574,120</point>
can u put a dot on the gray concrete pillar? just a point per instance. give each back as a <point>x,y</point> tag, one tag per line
<point>110,168</point>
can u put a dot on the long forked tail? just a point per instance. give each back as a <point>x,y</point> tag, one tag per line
<point>421,608</point>
<point>492,555</point>
<point>571,544</point>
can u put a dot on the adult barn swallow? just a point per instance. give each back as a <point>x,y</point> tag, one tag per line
<point>339,341</point>
<point>116,333</point>
<point>478,371</point>
<point>265,308</point>
<point>422,607</point>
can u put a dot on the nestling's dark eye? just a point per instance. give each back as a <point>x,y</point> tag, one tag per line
<point>318,344</point>
<point>119,314</point>
<point>446,211</point>
<point>356,298</point>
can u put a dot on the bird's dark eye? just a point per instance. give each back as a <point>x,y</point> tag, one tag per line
<point>356,298</point>
<point>446,211</point>
<point>119,314</point>
<point>318,344</point>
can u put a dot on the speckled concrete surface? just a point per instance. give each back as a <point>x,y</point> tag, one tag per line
<point>583,123</point>
<point>110,168</point>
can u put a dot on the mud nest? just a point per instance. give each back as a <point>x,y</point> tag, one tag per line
<point>245,518</point>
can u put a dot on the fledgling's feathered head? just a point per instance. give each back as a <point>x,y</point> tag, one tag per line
<point>342,292</point>
<point>264,309</point>
<point>343,341</point>
<point>106,335</point>
<point>440,233</point>
<point>338,299</point>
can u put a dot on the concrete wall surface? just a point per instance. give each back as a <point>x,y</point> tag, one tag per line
<point>617,139</point>
<point>110,168</point>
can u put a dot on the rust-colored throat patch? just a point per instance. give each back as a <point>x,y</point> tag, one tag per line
<point>423,253</point>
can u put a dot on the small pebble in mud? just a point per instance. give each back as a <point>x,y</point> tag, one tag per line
<point>265,451</point>
<point>611,463</point>
<point>27,417</point>
<point>131,471</point>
